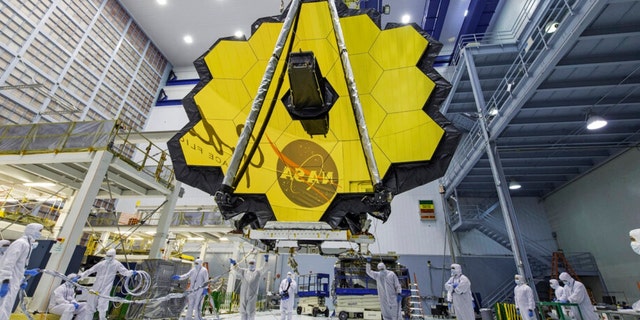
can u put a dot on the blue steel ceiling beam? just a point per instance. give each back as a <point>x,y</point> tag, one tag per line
<point>435,12</point>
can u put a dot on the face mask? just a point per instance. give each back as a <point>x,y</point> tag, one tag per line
<point>288,276</point>
<point>635,246</point>
<point>566,283</point>
<point>252,267</point>
<point>37,235</point>
<point>2,250</point>
<point>108,258</point>
<point>198,267</point>
<point>553,286</point>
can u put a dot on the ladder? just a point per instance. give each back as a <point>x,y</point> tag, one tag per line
<point>415,301</point>
<point>558,258</point>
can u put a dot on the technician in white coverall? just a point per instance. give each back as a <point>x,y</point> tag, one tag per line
<point>523,298</point>
<point>459,293</point>
<point>389,291</point>
<point>105,271</point>
<point>63,301</point>
<point>288,289</point>
<point>198,276</point>
<point>4,245</point>
<point>558,291</point>
<point>249,284</point>
<point>577,293</point>
<point>635,246</point>
<point>12,270</point>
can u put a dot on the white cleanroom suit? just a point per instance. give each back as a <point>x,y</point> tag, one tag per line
<point>63,301</point>
<point>13,267</point>
<point>389,291</point>
<point>577,293</point>
<point>290,287</point>
<point>198,276</point>
<point>105,271</point>
<point>249,285</point>
<point>459,293</point>
<point>523,298</point>
<point>558,291</point>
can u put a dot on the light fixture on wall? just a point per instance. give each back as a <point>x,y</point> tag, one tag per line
<point>386,9</point>
<point>551,27</point>
<point>595,122</point>
<point>514,185</point>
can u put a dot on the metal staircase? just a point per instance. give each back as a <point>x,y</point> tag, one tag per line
<point>480,218</point>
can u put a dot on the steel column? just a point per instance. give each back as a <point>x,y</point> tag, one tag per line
<point>162,231</point>
<point>70,232</point>
<point>508,212</point>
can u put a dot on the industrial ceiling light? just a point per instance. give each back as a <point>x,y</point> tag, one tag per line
<point>595,122</point>
<point>514,185</point>
<point>238,34</point>
<point>551,27</point>
<point>161,2</point>
<point>38,184</point>
<point>405,18</point>
<point>493,111</point>
<point>188,39</point>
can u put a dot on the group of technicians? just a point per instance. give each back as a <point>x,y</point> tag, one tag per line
<point>14,258</point>
<point>459,295</point>
<point>14,276</point>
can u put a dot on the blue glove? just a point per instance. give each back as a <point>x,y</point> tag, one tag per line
<point>399,298</point>
<point>530,313</point>
<point>75,279</point>
<point>205,291</point>
<point>4,288</point>
<point>518,311</point>
<point>455,285</point>
<point>233,262</point>
<point>266,258</point>
<point>175,277</point>
<point>32,272</point>
<point>134,273</point>
<point>368,259</point>
<point>24,285</point>
<point>76,305</point>
<point>564,301</point>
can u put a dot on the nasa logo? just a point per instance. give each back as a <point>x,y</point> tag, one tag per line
<point>307,174</point>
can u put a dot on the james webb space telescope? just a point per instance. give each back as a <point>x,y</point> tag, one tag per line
<point>295,152</point>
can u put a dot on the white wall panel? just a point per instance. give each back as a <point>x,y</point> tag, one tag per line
<point>404,233</point>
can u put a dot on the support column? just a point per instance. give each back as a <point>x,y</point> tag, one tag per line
<point>72,228</point>
<point>203,250</point>
<point>162,231</point>
<point>63,214</point>
<point>506,205</point>
<point>104,242</point>
<point>231,283</point>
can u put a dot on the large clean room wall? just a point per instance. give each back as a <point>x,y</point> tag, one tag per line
<point>596,213</point>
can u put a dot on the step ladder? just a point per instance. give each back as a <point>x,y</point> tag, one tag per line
<point>415,301</point>
<point>559,260</point>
